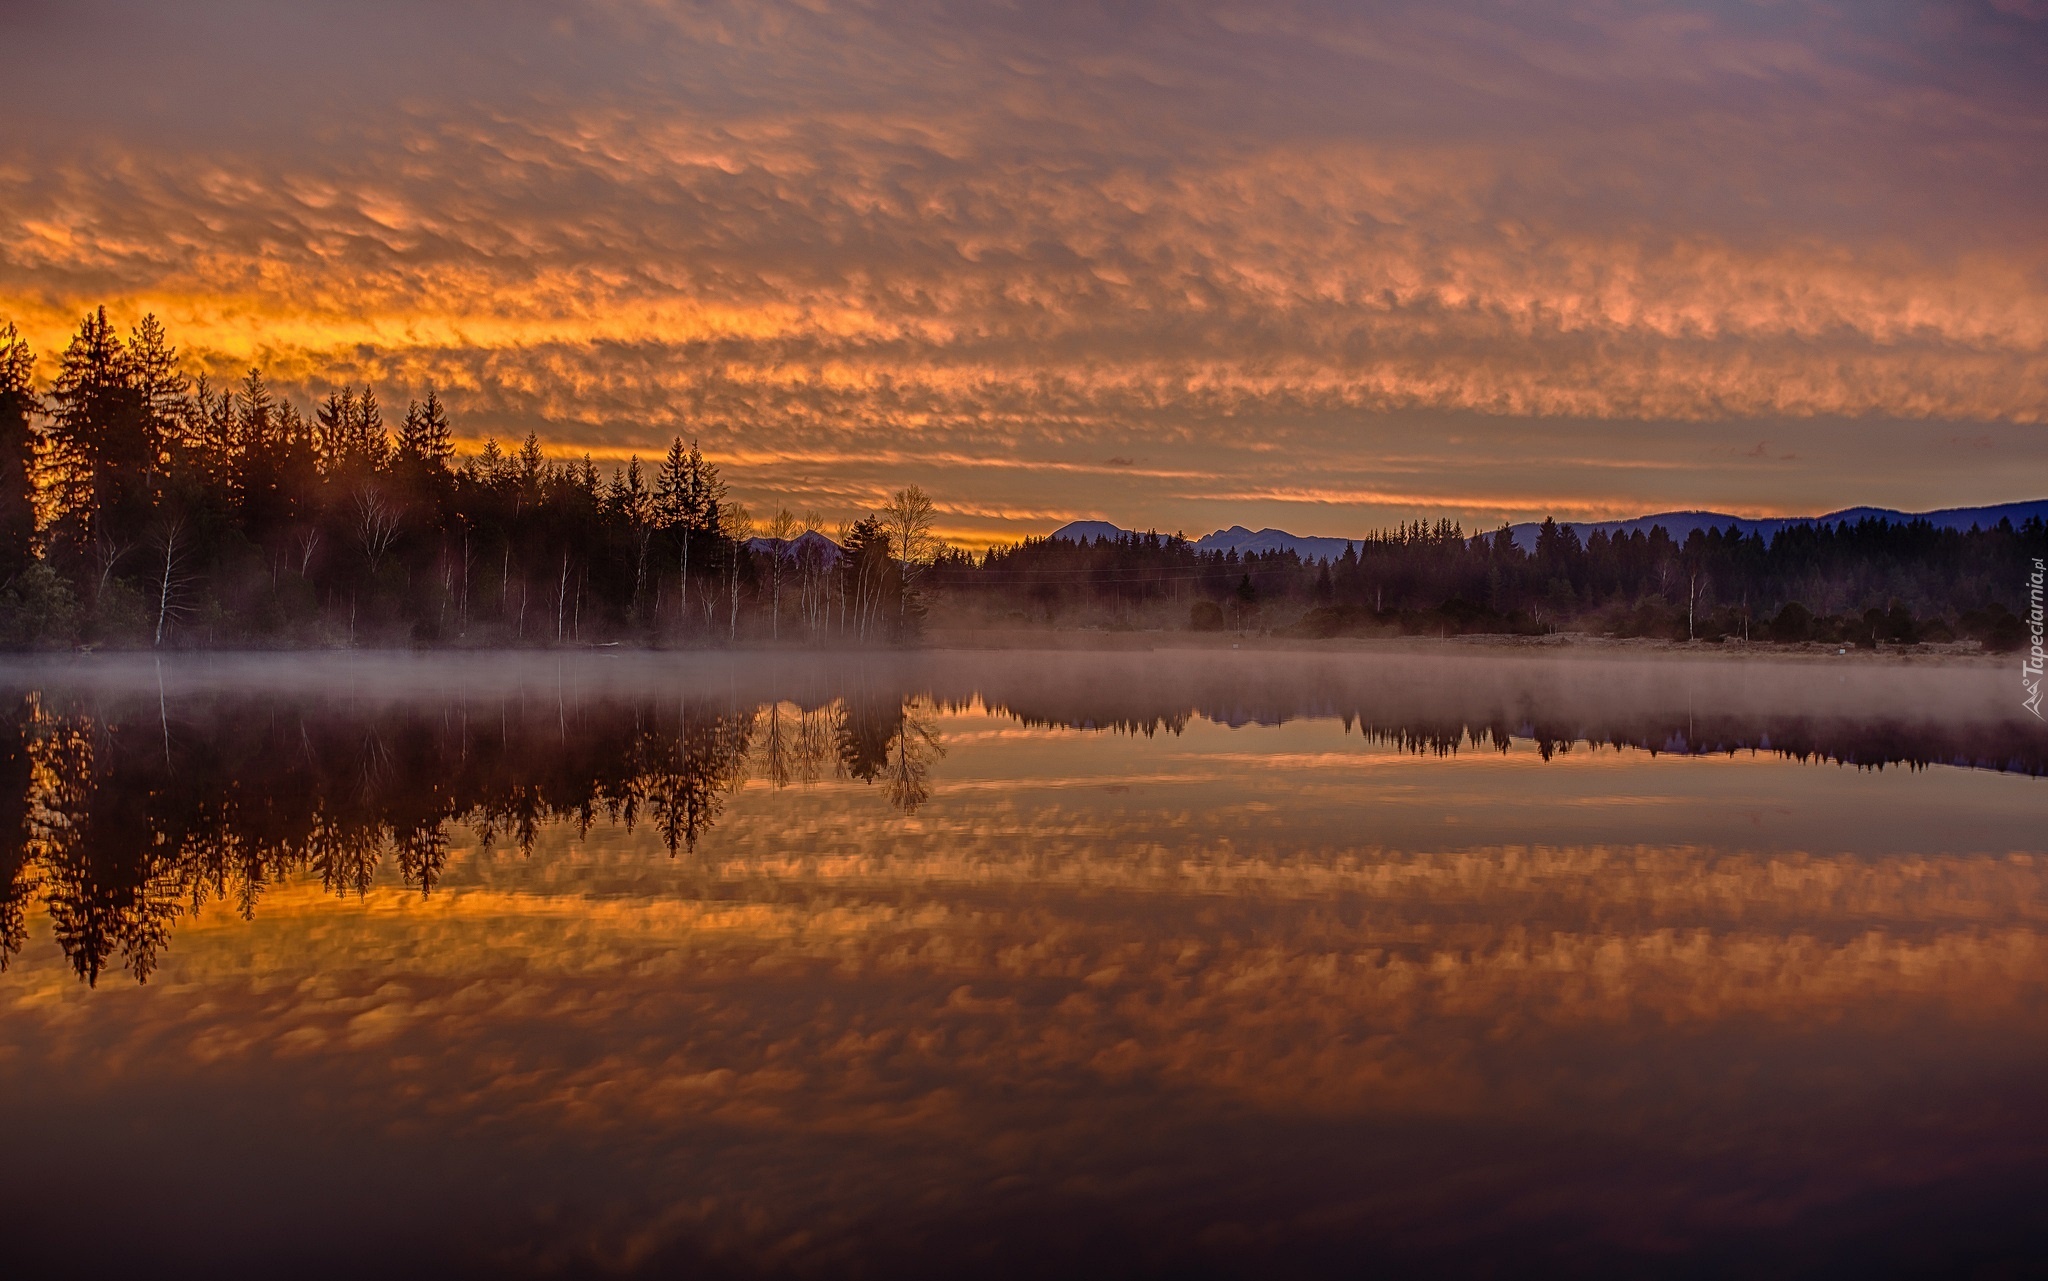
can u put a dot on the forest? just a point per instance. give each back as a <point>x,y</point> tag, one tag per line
<point>1869,584</point>
<point>144,506</point>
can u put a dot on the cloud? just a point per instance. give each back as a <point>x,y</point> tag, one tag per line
<point>851,228</point>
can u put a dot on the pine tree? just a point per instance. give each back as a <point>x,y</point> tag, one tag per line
<point>258,464</point>
<point>255,415</point>
<point>370,451</point>
<point>418,462</point>
<point>218,434</point>
<point>18,406</point>
<point>437,441</point>
<point>408,452</point>
<point>298,471</point>
<point>532,471</point>
<point>488,467</point>
<point>687,497</point>
<point>334,430</point>
<point>101,453</point>
<point>162,386</point>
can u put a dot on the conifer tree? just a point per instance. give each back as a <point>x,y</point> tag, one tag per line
<point>18,406</point>
<point>100,450</point>
<point>371,451</point>
<point>437,440</point>
<point>254,414</point>
<point>532,470</point>
<point>217,434</point>
<point>424,443</point>
<point>159,382</point>
<point>688,495</point>
<point>258,461</point>
<point>334,424</point>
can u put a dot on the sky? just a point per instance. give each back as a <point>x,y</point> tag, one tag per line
<point>1321,266</point>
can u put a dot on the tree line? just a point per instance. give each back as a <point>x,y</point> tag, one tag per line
<point>141,505</point>
<point>1866,582</point>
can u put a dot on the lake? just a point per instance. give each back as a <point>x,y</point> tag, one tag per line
<point>1197,963</point>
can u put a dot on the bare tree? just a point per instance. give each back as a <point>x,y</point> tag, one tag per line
<point>843,535</point>
<point>171,579</point>
<point>810,569</point>
<point>376,525</point>
<point>908,518</point>
<point>561,597</point>
<point>106,553</point>
<point>916,749</point>
<point>782,528</point>
<point>813,744</point>
<point>737,525</point>
<point>777,741</point>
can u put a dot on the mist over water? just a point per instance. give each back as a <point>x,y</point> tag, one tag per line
<point>1014,961</point>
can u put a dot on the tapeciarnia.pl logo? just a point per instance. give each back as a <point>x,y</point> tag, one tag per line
<point>2030,670</point>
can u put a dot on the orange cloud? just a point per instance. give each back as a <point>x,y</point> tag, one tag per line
<point>936,239</point>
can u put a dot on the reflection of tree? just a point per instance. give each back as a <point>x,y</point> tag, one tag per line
<point>813,744</point>
<point>16,773</point>
<point>693,772</point>
<point>345,855</point>
<point>122,823</point>
<point>895,742</point>
<point>793,743</point>
<point>108,881</point>
<point>777,732</point>
<point>121,818</point>
<point>862,730</point>
<point>916,748</point>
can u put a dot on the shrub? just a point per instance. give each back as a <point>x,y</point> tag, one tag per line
<point>1206,616</point>
<point>1996,627</point>
<point>1793,625</point>
<point>37,610</point>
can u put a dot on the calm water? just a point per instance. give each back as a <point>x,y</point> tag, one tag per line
<point>1006,963</point>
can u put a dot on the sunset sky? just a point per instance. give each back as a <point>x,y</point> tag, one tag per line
<point>1319,266</point>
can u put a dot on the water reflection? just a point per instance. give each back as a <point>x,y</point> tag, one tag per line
<point>120,820</point>
<point>121,812</point>
<point>1025,965</point>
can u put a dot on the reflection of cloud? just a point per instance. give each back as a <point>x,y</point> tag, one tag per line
<point>953,236</point>
<point>835,1007</point>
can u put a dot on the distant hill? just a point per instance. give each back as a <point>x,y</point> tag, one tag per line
<point>1087,531</point>
<point>1678,524</point>
<point>1681,524</point>
<point>828,551</point>
<point>1236,538</point>
<point>1242,541</point>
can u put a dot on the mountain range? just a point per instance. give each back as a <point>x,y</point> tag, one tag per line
<point>1677,524</point>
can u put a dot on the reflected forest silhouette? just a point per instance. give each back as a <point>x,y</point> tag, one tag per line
<point>123,819</point>
<point>123,814</point>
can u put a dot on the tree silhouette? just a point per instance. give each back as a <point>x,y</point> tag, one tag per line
<point>142,507</point>
<point>18,406</point>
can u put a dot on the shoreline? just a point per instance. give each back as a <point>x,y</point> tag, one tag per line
<point>941,640</point>
<point>1556,644</point>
